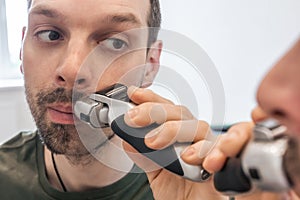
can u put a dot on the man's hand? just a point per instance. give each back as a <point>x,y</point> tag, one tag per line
<point>177,125</point>
<point>230,145</point>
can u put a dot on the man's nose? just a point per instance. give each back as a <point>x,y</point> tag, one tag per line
<point>279,97</point>
<point>70,73</point>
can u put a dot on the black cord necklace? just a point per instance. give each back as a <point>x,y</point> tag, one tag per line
<point>57,173</point>
<point>56,170</point>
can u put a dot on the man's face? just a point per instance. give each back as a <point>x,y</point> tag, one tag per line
<point>59,36</point>
<point>279,92</point>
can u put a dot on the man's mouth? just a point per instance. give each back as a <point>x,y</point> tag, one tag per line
<point>60,114</point>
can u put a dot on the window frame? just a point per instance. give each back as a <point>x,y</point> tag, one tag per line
<point>9,62</point>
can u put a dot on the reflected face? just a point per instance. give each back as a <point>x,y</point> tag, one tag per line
<point>279,92</point>
<point>59,37</point>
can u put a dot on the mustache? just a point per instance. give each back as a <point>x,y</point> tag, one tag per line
<point>58,95</point>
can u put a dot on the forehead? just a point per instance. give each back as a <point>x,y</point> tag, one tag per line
<point>89,10</point>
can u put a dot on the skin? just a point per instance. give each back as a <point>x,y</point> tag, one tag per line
<point>56,42</point>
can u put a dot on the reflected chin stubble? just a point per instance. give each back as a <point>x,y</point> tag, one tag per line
<point>59,138</point>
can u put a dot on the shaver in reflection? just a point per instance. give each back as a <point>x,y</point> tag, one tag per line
<point>107,108</point>
<point>261,164</point>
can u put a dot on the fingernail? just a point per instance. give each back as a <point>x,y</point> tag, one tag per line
<point>132,113</point>
<point>189,152</point>
<point>151,136</point>
<point>131,89</point>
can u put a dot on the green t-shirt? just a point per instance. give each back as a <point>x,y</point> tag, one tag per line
<point>22,176</point>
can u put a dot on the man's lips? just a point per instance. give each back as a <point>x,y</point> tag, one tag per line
<point>60,114</point>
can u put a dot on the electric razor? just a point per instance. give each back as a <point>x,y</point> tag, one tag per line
<point>261,164</point>
<point>107,108</point>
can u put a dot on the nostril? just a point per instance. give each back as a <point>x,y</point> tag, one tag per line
<point>60,79</point>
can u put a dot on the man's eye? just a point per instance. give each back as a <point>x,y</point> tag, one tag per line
<point>49,35</point>
<point>114,44</point>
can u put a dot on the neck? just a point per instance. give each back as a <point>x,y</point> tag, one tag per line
<point>107,167</point>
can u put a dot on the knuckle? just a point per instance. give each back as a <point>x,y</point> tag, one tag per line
<point>184,112</point>
<point>203,124</point>
<point>171,127</point>
<point>149,93</point>
<point>242,130</point>
<point>204,131</point>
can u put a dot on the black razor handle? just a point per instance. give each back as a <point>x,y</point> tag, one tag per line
<point>167,158</point>
<point>231,179</point>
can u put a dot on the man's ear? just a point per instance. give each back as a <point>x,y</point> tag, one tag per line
<point>152,63</point>
<point>21,49</point>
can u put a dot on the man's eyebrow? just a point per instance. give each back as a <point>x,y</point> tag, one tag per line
<point>122,18</point>
<point>46,11</point>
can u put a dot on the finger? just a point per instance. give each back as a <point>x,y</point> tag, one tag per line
<point>214,161</point>
<point>258,114</point>
<point>196,153</point>
<point>179,131</point>
<point>142,95</point>
<point>232,142</point>
<point>229,144</point>
<point>148,113</point>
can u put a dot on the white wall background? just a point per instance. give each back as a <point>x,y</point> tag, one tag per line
<point>15,114</point>
<point>242,37</point>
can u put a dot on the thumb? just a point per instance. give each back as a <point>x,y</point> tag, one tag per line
<point>258,114</point>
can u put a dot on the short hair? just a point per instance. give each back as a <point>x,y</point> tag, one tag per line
<point>153,22</point>
<point>28,4</point>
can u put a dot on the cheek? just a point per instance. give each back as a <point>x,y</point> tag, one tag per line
<point>128,70</point>
<point>37,67</point>
<point>32,72</point>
